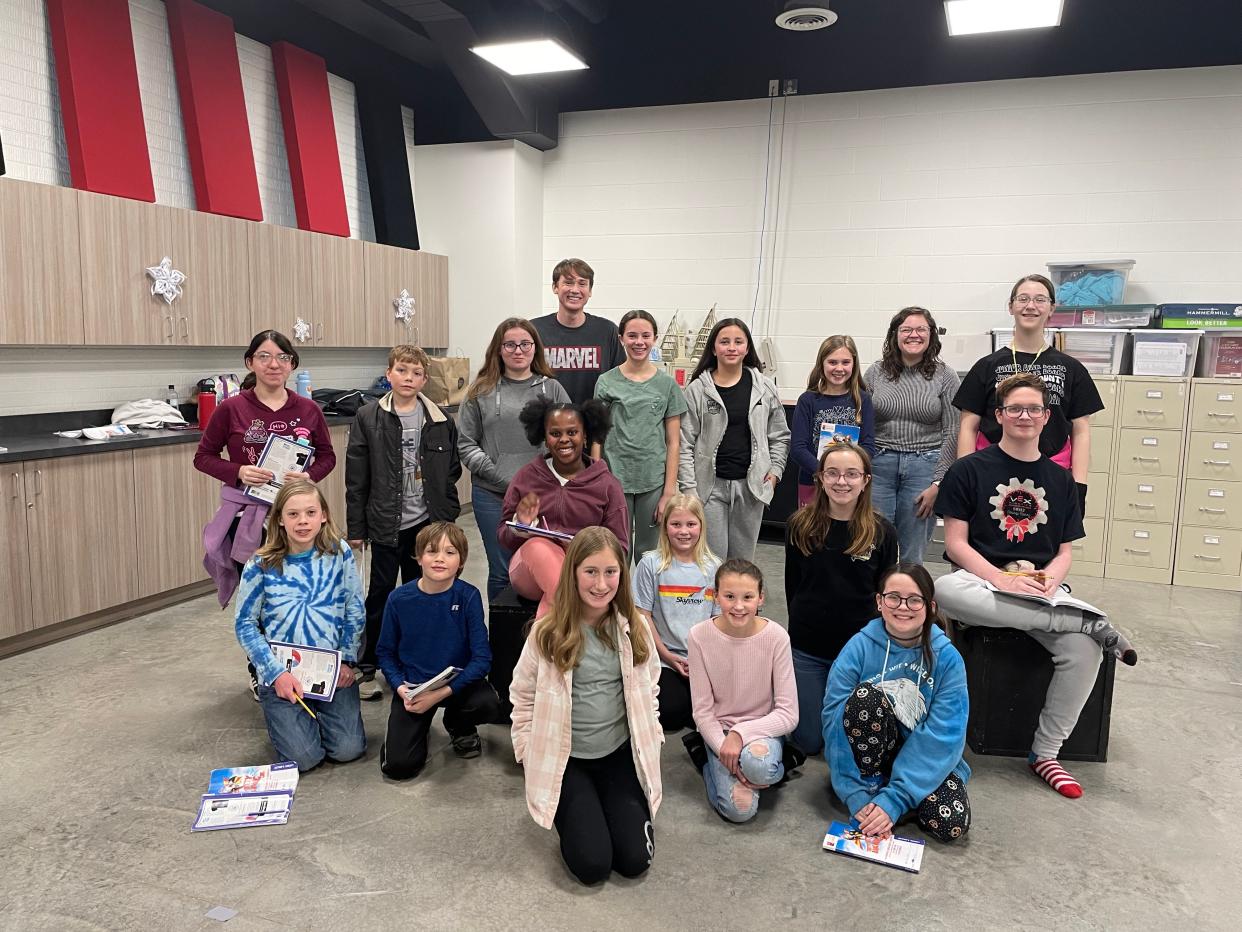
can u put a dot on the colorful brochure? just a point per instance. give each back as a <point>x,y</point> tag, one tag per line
<point>829,433</point>
<point>242,810</point>
<point>280,455</point>
<point>540,531</point>
<point>316,668</point>
<point>902,853</point>
<point>269,777</point>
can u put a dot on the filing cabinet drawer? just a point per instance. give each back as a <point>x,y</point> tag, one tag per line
<point>1091,548</point>
<point>1101,448</point>
<point>1143,452</point>
<point>1211,504</point>
<point>1214,456</point>
<point>1145,498</point>
<point>1216,407</point>
<point>1142,544</point>
<point>1098,485</point>
<point>1208,550</point>
<point>1109,395</point>
<point>1152,404</point>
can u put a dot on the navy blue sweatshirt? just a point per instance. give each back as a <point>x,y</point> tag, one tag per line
<point>422,634</point>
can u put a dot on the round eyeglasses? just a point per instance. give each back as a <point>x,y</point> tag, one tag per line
<point>895,600</point>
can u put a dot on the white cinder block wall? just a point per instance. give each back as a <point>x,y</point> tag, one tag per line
<point>34,150</point>
<point>939,196</point>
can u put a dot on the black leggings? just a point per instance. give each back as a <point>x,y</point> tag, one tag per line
<point>675,707</point>
<point>603,818</point>
<point>875,739</point>
<point>404,751</point>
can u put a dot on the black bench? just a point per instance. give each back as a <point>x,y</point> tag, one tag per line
<point>1007,674</point>
<point>508,620</point>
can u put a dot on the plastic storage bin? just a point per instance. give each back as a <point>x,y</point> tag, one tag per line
<point>1101,351</point>
<point>1164,352</point>
<point>1107,316</point>
<point>1004,336</point>
<point>1090,283</point>
<point>1200,316</point>
<point>1220,355</point>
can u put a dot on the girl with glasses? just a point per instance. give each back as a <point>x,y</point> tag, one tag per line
<point>894,717</point>
<point>1073,397</point>
<point>915,427</point>
<point>491,439</point>
<point>836,547</point>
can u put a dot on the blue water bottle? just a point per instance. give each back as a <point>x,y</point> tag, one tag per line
<point>304,388</point>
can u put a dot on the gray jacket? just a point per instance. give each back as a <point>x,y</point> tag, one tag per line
<point>703,427</point>
<point>490,438</point>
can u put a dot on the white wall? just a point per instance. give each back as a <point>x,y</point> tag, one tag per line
<point>939,196</point>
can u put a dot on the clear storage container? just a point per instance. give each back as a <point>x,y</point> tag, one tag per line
<point>1003,336</point>
<point>1220,355</point>
<point>1101,351</point>
<point>1164,352</point>
<point>1108,316</point>
<point>1090,283</point>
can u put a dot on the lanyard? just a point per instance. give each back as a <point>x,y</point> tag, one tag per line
<point>1014,354</point>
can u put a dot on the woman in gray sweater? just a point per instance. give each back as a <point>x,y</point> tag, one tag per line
<point>915,427</point>
<point>491,439</point>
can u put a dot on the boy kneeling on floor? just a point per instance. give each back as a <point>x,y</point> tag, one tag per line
<point>1010,515</point>
<point>432,623</point>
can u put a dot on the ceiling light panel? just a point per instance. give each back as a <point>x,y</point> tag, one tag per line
<point>969,17</point>
<point>539,56</point>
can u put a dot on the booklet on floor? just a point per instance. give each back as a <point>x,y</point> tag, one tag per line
<point>443,678</point>
<point>902,853</point>
<point>316,668</point>
<point>242,797</point>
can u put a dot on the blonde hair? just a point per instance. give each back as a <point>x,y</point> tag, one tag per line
<point>702,554</point>
<point>405,352</point>
<point>558,635</point>
<point>276,543</point>
<point>818,382</point>
<point>809,525</point>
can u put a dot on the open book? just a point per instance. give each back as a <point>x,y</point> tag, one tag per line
<point>902,853</point>
<point>443,678</point>
<point>1060,599</point>
<point>243,797</point>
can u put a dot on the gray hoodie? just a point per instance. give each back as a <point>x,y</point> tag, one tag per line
<point>490,438</point>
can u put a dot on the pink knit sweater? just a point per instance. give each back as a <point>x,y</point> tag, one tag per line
<point>741,684</point>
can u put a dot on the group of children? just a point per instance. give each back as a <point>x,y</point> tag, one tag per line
<point>611,664</point>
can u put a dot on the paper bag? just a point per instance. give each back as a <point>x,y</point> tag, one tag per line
<point>447,379</point>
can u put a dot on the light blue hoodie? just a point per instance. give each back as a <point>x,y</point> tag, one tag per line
<point>930,750</point>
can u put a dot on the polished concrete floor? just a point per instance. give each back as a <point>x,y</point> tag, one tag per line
<point>106,742</point>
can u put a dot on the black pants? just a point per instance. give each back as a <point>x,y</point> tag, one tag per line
<point>385,562</point>
<point>404,751</point>
<point>603,818</point>
<point>875,740</point>
<point>675,706</point>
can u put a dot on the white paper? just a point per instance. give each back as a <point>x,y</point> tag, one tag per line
<point>1216,493</point>
<point>1146,488</point>
<point>1228,397</point>
<point>1142,535</point>
<point>1211,540</point>
<point>1152,358</point>
<point>1150,442</point>
<point>1155,394</point>
<point>1220,444</point>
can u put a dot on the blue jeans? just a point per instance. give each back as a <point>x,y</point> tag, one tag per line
<point>897,480</point>
<point>811,678</point>
<point>487,507</point>
<point>730,798</point>
<point>336,733</point>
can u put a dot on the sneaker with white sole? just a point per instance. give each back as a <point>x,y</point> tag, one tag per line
<point>254,685</point>
<point>369,688</point>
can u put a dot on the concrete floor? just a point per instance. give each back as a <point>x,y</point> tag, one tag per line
<point>106,742</point>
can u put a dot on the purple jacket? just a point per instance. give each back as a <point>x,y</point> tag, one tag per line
<point>222,555</point>
<point>592,497</point>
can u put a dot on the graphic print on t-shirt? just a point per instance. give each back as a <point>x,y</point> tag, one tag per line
<point>1019,507</point>
<point>573,357</point>
<point>687,595</point>
<point>1054,375</point>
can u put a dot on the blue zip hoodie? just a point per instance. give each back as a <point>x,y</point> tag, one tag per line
<point>930,751</point>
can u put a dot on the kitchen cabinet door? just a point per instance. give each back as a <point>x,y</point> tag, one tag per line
<point>40,286</point>
<point>177,502</point>
<point>16,613</point>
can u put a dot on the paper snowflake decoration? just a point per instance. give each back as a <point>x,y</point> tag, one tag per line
<point>166,281</point>
<point>301,331</point>
<point>404,305</point>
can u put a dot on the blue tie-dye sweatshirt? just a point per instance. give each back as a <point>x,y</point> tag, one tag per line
<point>314,599</point>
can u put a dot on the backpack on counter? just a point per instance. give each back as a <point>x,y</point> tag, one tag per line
<point>344,401</point>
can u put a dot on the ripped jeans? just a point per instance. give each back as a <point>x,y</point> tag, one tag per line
<point>760,762</point>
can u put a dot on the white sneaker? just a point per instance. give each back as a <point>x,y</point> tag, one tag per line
<point>369,688</point>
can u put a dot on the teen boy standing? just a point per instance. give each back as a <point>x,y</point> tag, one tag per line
<point>578,345</point>
<point>1010,515</point>
<point>401,472</point>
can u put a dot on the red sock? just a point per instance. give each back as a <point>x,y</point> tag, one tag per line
<point>1056,776</point>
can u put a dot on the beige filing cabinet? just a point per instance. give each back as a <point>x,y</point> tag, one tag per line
<point>1149,428</point>
<point>1209,540</point>
<point>1089,552</point>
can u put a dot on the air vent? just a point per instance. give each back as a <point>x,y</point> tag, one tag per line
<point>798,18</point>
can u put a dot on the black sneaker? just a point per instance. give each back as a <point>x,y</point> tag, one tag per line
<point>254,686</point>
<point>693,742</point>
<point>468,746</point>
<point>793,756</point>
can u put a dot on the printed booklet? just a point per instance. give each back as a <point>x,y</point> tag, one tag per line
<point>443,678</point>
<point>280,455</point>
<point>902,853</point>
<point>316,668</point>
<point>540,531</point>
<point>1058,598</point>
<point>829,433</point>
<point>241,797</point>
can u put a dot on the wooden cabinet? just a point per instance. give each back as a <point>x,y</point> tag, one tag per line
<point>215,308</point>
<point>177,501</point>
<point>16,615</point>
<point>40,282</point>
<point>434,279</point>
<point>387,271</point>
<point>82,534</point>
<point>333,484</point>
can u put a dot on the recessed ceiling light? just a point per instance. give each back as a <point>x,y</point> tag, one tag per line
<point>539,56</point>
<point>967,17</point>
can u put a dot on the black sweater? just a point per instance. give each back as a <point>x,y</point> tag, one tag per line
<point>831,596</point>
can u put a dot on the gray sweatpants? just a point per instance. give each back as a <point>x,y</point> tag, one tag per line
<point>1076,657</point>
<point>733,518</point>
<point>644,531</point>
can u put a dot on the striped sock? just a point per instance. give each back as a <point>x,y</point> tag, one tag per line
<point>1056,776</point>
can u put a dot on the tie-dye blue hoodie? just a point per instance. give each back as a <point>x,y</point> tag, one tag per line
<point>314,599</point>
<point>937,704</point>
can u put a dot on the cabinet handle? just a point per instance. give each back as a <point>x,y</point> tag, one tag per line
<point>1140,505</point>
<point>318,333</point>
<point>1149,412</point>
<point>38,482</point>
<point>1146,553</point>
<point>1146,459</point>
<point>1207,556</point>
<point>1218,462</point>
<point>1221,414</point>
<point>185,321</point>
<point>172,329</point>
<point>17,486</point>
<point>1212,511</point>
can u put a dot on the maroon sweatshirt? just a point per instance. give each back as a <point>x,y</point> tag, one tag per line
<point>241,424</point>
<point>593,496</point>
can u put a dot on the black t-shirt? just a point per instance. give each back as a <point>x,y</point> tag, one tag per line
<point>1071,393</point>
<point>1015,510</point>
<point>831,596</point>
<point>580,354</point>
<point>733,454</point>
